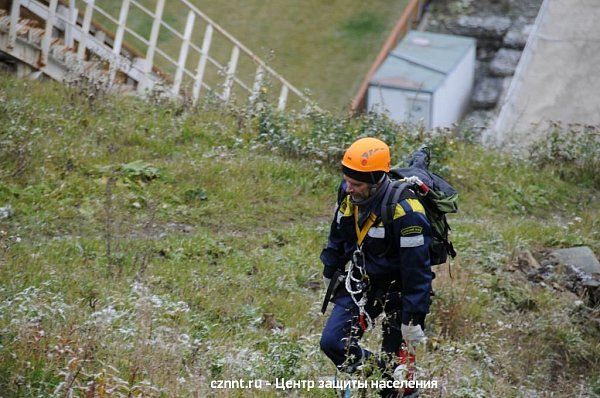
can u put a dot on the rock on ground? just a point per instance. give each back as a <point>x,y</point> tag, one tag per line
<point>582,258</point>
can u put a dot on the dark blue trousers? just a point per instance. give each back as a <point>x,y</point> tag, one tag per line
<point>342,332</point>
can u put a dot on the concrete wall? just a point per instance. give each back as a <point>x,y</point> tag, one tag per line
<point>558,77</point>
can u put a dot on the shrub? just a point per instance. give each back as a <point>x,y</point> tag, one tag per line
<point>572,152</point>
<point>322,137</point>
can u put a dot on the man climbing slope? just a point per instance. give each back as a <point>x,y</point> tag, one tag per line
<point>389,269</point>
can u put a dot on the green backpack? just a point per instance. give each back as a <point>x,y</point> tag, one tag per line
<point>436,195</point>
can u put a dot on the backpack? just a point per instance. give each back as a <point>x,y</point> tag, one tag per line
<point>436,195</point>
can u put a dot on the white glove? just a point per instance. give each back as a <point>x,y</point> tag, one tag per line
<point>413,334</point>
<point>400,372</point>
<point>326,281</point>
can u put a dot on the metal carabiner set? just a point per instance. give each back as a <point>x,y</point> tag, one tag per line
<point>361,285</point>
<point>358,261</point>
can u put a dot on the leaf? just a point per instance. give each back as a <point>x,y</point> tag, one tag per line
<point>140,170</point>
<point>195,195</point>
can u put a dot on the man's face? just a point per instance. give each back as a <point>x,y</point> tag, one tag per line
<point>358,190</point>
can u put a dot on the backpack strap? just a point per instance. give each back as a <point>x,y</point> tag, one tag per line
<point>394,194</point>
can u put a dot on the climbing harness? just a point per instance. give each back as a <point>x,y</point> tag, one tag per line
<point>357,280</point>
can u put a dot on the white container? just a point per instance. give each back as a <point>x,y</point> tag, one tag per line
<point>427,79</point>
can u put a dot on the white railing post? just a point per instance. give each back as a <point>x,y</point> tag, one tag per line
<point>149,62</point>
<point>85,29</point>
<point>47,40</point>
<point>202,63</point>
<point>258,81</point>
<point>14,21</point>
<point>70,25</point>
<point>231,67</point>
<point>282,97</point>
<point>121,27</point>
<point>118,42</point>
<point>183,53</point>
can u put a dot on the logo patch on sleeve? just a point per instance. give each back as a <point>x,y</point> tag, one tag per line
<point>413,229</point>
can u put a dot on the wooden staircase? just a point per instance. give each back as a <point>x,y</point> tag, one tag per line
<point>60,39</point>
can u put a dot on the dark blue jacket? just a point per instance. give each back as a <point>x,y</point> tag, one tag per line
<point>398,252</point>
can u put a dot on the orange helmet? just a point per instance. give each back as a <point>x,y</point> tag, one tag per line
<point>367,155</point>
<point>367,160</point>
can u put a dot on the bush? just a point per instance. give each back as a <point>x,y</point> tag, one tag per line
<point>572,152</point>
<point>323,137</point>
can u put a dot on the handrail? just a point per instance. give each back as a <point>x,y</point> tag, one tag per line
<point>410,15</point>
<point>100,27</point>
<point>78,28</point>
<point>246,50</point>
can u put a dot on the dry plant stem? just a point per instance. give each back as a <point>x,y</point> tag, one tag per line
<point>88,351</point>
<point>108,222</point>
<point>145,252</point>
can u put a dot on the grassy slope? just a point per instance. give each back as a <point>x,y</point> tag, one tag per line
<point>324,46</point>
<point>210,257</point>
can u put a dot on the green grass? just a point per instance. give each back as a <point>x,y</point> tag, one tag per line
<point>154,249</point>
<point>326,47</point>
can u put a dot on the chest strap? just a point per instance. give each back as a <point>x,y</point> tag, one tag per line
<point>362,232</point>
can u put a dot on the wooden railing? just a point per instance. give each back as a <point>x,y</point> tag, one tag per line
<point>409,18</point>
<point>190,62</point>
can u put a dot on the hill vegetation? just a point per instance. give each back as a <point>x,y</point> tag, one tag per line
<point>149,248</point>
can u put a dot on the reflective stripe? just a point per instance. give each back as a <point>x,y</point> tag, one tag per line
<point>414,204</point>
<point>339,217</point>
<point>399,212</point>
<point>412,241</point>
<point>377,232</point>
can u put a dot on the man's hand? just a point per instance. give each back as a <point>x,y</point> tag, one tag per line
<point>413,334</point>
<point>326,281</point>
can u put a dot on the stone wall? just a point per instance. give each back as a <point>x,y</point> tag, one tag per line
<point>501,28</point>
